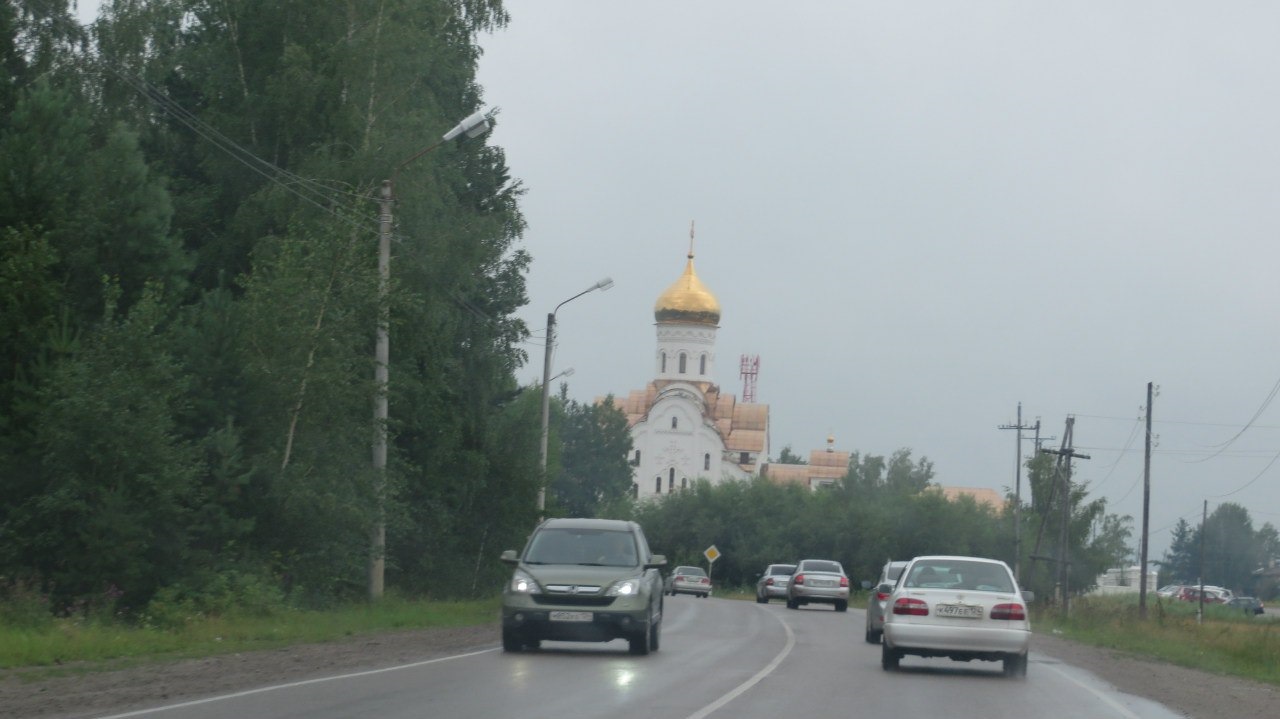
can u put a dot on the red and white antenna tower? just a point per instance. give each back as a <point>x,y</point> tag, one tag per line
<point>750,368</point>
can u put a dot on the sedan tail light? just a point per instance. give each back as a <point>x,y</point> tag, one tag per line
<point>1014,612</point>
<point>881,596</point>
<point>911,607</point>
<point>706,580</point>
<point>799,579</point>
<point>844,581</point>
<point>768,582</point>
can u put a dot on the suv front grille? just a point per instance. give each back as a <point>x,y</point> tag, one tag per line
<point>580,595</point>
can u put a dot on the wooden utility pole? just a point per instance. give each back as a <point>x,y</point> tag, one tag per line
<point>1146,511</point>
<point>1065,455</point>
<point>1017,493</point>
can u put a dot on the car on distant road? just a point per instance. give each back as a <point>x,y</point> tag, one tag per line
<point>1249,605</point>
<point>1169,591</point>
<point>1212,594</point>
<point>689,580</point>
<point>583,580</point>
<point>878,597</point>
<point>821,581</point>
<point>773,583</point>
<point>962,608</point>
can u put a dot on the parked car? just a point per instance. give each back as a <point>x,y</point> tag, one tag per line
<point>1169,590</point>
<point>963,608</point>
<point>818,580</point>
<point>773,583</point>
<point>1249,605</point>
<point>1212,594</point>
<point>689,580</point>
<point>585,580</point>
<point>879,596</point>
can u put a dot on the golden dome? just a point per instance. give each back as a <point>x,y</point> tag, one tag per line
<point>688,300</point>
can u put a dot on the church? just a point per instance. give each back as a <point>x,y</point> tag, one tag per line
<point>683,427</point>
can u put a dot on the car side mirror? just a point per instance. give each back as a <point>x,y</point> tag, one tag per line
<point>1028,596</point>
<point>510,557</point>
<point>656,561</point>
<point>885,588</point>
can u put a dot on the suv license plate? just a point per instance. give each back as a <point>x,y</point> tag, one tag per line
<point>964,611</point>
<point>571,616</point>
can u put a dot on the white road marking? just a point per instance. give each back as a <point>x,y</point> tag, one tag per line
<point>1104,697</point>
<point>768,669</point>
<point>290,685</point>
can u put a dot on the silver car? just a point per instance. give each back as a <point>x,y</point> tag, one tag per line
<point>583,580</point>
<point>773,583</point>
<point>879,596</point>
<point>689,580</point>
<point>818,580</point>
<point>963,608</point>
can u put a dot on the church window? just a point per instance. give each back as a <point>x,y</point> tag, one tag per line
<point>684,483</point>
<point>664,362</point>
<point>706,461</point>
<point>683,358</point>
<point>657,484</point>
<point>702,364</point>
<point>744,458</point>
<point>671,480</point>
<point>674,422</point>
<point>636,462</point>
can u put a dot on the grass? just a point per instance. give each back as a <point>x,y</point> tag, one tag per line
<point>86,644</point>
<point>1226,642</point>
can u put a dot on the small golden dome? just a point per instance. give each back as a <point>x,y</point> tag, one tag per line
<point>688,300</point>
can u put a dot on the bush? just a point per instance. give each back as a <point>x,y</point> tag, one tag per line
<point>22,606</point>
<point>226,593</point>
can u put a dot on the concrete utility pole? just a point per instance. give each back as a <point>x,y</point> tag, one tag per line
<point>1146,511</point>
<point>1065,455</point>
<point>1017,493</point>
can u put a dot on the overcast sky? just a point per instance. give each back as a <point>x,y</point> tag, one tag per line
<point>919,215</point>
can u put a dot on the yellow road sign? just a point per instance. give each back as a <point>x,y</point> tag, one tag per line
<point>711,553</point>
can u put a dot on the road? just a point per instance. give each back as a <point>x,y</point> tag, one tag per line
<point>719,658</point>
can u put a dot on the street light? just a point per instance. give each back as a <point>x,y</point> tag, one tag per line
<point>604,284</point>
<point>473,126</point>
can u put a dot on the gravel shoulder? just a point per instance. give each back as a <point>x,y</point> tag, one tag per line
<point>1190,692</point>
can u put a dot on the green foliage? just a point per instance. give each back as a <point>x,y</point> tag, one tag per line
<point>1224,551</point>
<point>594,471</point>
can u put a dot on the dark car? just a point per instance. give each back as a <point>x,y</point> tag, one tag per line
<point>583,580</point>
<point>1249,605</point>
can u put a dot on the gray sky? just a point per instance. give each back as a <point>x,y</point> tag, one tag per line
<point>920,214</point>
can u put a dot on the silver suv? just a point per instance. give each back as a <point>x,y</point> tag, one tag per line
<point>583,580</point>
<point>879,596</point>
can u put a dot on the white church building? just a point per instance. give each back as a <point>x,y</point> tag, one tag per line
<point>683,427</point>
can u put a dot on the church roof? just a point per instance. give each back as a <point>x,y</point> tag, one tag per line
<point>688,300</point>
<point>743,427</point>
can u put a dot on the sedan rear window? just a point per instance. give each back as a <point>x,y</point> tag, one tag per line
<point>960,574</point>
<point>821,566</point>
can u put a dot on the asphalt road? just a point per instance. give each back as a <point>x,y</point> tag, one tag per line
<point>719,658</point>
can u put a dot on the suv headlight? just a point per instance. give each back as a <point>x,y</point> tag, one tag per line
<point>522,583</point>
<point>625,588</point>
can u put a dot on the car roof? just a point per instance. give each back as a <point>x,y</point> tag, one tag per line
<point>687,568</point>
<point>621,525</point>
<point>787,567</point>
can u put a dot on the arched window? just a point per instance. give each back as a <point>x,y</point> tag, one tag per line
<point>702,364</point>
<point>684,483</point>
<point>636,462</point>
<point>674,422</point>
<point>706,461</point>
<point>683,358</point>
<point>657,484</point>
<point>664,361</point>
<point>671,480</point>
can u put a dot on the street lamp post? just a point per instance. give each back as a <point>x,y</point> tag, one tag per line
<point>604,284</point>
<point>474,125</point>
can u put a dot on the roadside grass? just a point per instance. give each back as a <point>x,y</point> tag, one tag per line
<point>83,644</point>
<point>1226,642</point>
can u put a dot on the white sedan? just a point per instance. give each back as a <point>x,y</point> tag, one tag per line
<point>964,608</point>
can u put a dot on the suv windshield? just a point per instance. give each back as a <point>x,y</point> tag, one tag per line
<point>595,547</point>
